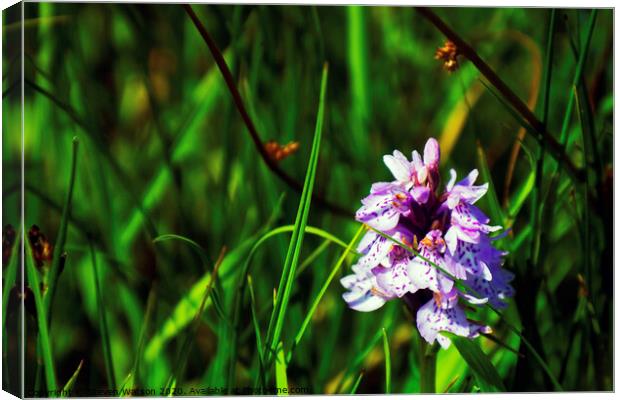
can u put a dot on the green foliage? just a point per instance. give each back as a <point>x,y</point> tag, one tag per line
<point>167,175</point>
<point>486,375</point>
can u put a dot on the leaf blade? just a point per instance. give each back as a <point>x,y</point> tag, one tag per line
<point>480,364</point>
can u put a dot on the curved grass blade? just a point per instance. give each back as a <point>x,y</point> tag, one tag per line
<point>576,78</point>
<point>179,365</point>
<point>357,382</point>
<point>482,368</point>
<point>199,249</point>
<point>44,340</point>
<point>521,195</point>
<point>103,324</point>
<point>188,306</point>
<point>494,205</point>
<point>276,322</point>
<point>203,99</point>
<point>540,162</point>
<point>204,258</point>
<point>59,255</point>
<point>564,136</point>
<point>245,272</point>
<point>127,384</point>
<point>135,370</point>
<point>357,362</point>
<point>259,343</point>
<point>66,391</point>
<point>59,248</point>
<point>322,291</point>
<point>388,363</point>
<point>312,257</point>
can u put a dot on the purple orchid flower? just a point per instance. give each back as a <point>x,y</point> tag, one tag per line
<point>450,236</point>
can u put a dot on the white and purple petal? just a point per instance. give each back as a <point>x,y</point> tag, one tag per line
<point>432,319</point>
<point>394,281</point>
<point>361,295</point>
<point>399,166</point>
<point>431,153</point>
<point>425,275</point>
<point>381,210</point>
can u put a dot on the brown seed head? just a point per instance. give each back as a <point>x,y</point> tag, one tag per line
<point>42,249</point>
<point>278,152</point>
<point>448,54</point>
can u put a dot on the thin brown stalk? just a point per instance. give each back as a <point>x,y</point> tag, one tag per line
<point>232,87</point>
<point>554,147</point>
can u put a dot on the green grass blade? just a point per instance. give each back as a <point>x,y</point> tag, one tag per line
<point>308,229</point>
<point>494,205</point>
<point>181,361</point>
<point>357,382</point>
<point>203,99</point>
<point>323,289</point>
<point>576,78</point>
<point>10,276</point>
<point>204,258</point>
<point>44,339</point>
<point>103,325</point>
<point>148,315</point>
<point>258,243</point>
<point>58,256</point>
<point>257,333</point>
<point>128,383</point>
<point>480,364</point>
<point>358,66</point>
<point>359,359</point>
<point>188,306</point>
<point>540,162</point>
<point>286,283</point>
<point>61,237</point>
<point>281,377</point>
<point>312,257</point>
<point>428,366</point>
<point>388,363</point>
<point>71,382</point>
<point>521,195</point>
<point>568,113</point>
<point>199,249</point>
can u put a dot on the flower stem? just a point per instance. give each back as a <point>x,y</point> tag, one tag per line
<point>428,363</point>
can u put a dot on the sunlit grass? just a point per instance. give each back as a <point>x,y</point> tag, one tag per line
<point>172,169</point>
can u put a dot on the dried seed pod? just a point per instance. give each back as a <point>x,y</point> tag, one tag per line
<point>448,53</point>
<point>279,152</point>
<point>42,249</point>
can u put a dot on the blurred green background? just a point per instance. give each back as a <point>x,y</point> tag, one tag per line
<point>163,150</point>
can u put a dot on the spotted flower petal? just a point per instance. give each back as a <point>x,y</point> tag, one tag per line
<point>382,208</point>
<point>451,236</point>
<point>425,275</point>
<point>394,281</point>
<point>361,295</point>
<point>433,318</point>
<point>465,190</point>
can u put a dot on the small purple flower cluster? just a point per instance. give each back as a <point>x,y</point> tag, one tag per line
<point>445,229</point>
